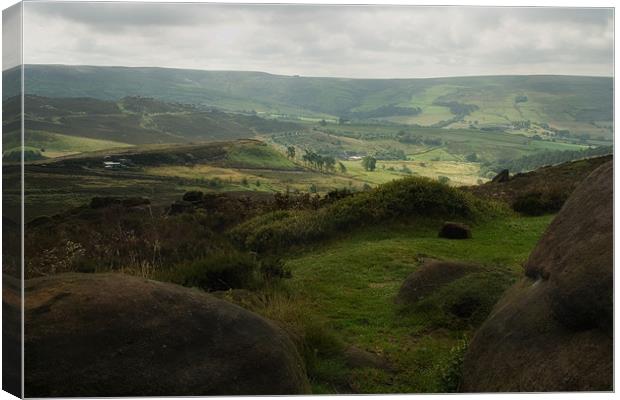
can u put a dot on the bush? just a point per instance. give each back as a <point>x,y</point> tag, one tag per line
<point>539,203</point>
<point>452,369</point>
<point>413,196</point>
<point>233,270</point>
<point>271,269</point>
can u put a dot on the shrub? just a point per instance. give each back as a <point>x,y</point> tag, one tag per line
<point>452,368</point>
<point>231,270</point>
<point>271,269</point>
<point>539,203</point>
<point>413,196</point>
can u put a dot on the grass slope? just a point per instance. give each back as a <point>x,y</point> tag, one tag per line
<point>57,145</point>
<point>351,283</point>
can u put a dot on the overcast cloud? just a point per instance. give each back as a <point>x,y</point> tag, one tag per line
<point>351,41</point>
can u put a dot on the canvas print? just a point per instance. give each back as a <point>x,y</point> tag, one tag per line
<point>208,199</point>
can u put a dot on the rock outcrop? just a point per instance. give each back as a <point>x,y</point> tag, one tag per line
<point>105,335</point>
<point>553,330</point>
<point>503,176</point>
<point>431,275</point>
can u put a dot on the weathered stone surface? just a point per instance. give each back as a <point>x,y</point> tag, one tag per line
<point>114,335</point>
<point>553,330</point>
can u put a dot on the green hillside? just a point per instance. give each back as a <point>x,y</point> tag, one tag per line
<point>572,105</point>
<point>64,126</point>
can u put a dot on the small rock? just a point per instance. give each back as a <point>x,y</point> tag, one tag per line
<point>454,230</point>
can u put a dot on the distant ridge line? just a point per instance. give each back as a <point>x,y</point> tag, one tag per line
<point>306,76</point>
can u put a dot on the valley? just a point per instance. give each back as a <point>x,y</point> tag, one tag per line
<point>308,202</point>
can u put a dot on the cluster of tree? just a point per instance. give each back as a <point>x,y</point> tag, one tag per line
<point>409,138</point>
<point>390,153</point>
<point>369,163</point>
<point>521,124</point>
<point>472,157</point>
<point>386,111</point>
<point>521,99</point>
<point>317,161</point>
<point>557,132</point>
<point>460,111</point>
<point>456,108</point>
<point>537,160</point>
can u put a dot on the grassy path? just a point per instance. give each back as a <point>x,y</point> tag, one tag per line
<point>352,281</point>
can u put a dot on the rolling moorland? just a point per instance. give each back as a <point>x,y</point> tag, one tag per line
<point>580,105</point>
<point>314,203</point>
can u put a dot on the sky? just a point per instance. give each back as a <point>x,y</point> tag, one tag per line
<point>344,41</point>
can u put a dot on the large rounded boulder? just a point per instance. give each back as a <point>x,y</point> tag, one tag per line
<point>553,330</point>
<point>93,335</point>
<point>430,276</point>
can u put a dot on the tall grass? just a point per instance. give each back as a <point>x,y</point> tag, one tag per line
<point>320,348</point>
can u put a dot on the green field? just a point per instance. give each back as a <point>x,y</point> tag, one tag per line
<point>351,284</point>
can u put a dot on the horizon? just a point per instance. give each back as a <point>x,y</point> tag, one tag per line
<point>306,76</point>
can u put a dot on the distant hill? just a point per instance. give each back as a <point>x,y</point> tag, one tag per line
<point>577,104</point>
<point>61,126</point>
